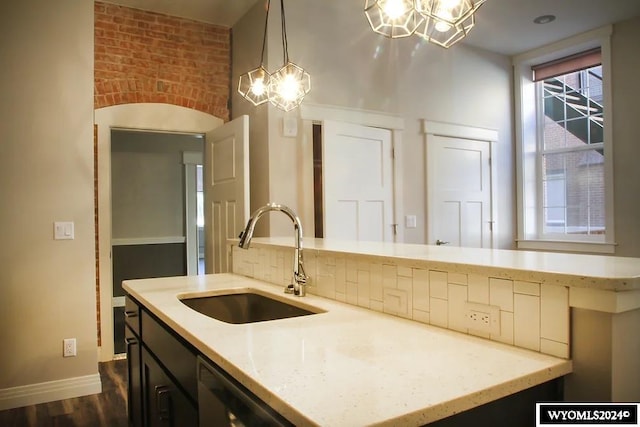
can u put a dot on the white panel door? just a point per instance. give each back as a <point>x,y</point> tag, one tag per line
<point>459,191</point>
<point>226,190</point>
<point>357,178</point>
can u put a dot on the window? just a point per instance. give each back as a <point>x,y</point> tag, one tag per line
<point>564,146</point>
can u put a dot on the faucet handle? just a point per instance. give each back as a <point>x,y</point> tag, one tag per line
<point>301,278</point>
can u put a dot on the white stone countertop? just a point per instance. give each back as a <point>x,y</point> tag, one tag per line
<point>348,365</point>
<point>579,270</point>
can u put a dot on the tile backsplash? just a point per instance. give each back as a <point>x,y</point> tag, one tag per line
<point>531,315</point>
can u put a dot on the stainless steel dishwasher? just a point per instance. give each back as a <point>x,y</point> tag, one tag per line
<point>222,401</point>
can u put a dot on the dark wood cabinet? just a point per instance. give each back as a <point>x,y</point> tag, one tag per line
<point>134,391</point>
<point>164,403</point>
<point>163,387</point>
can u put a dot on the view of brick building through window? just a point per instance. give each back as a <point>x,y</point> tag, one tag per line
<point>572,153</point>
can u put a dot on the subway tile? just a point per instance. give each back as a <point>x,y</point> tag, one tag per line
<point>554,348</point>
<point>458,278</point>
<point>341,276</point>
<point>456,307</point>
<point>389,276</point>
<point>363,288</point>
<point>438,315</point>
<point>352,270</point>
<point>554,313</point>
<point>506,328</point>
<point>438,284</point>
<point>325,285</point>
<point>532,315</point>
<point>376,282</point>
<point>526,288</point>
<point>526,321</point>
<point>404,271</point>
<point>377,306</point>
<point>405,284</point>
<point>420,289</point>
<point>501,293</point>
<point>363,265</point>
<point>421,316</point>
<point>478,288</point>
<point>352,293</point>
<point>395,302</point>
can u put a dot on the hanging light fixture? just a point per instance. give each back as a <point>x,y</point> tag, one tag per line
<point>289,85</point>
<point>254,85</point>
<point>446,21</point>
<point>285,88</point>
<point>392,18</point>
<point>442,22</point>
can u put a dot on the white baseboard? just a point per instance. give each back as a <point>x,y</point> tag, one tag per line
<point>50,391</point>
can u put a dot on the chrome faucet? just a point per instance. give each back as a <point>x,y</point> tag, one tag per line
<point>299,279</point>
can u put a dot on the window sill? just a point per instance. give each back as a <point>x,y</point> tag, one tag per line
<point>566,246</point>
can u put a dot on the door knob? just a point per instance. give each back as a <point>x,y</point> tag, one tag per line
<point>441,242</point>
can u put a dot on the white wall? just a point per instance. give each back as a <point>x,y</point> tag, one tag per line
<point>147,183</point>
<point>47,287</point>
<point>625,63</point>
<point>350,66</point>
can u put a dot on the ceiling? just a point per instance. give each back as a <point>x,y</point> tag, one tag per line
<point>502,26</point>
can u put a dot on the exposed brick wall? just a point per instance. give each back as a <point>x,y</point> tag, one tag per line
<point>143,56</point>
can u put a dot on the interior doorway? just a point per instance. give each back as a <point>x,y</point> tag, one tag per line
<point>144,116</point>
<point>460,185</point>
<point>151,187</point>
<point>352,125</point>
<point>357,192</point>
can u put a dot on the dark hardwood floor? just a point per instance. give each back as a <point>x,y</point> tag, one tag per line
<point>108,408</point>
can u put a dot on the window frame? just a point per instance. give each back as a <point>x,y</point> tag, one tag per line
<point>528,164</point>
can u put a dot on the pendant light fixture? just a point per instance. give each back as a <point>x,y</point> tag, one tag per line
<point>446,21</point>
<point>392,18</point>
<point>442,22</point>
<point>254,85</point>
<point>290,84</point>
<point>284,89</point>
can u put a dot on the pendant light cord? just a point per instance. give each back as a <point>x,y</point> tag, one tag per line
<point>285,49</point>
<point>264,36</point>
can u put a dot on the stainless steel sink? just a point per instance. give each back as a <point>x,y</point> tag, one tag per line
<point>245,306</point>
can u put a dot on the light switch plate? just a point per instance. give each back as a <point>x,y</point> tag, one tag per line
<point>410,221</point>
<point>63,230</point>
<point>289,126</point>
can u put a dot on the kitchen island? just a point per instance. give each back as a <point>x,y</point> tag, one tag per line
<point>346,365</point>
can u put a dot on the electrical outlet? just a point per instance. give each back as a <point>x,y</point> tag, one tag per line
<point>68,347</point>
<point>482,318</point>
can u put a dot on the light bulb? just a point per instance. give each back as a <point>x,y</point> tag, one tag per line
<point>449,4</point>
<point>394,9</point>
<point>443,26</point>
<point>258,87</point>
<point>289,88</point>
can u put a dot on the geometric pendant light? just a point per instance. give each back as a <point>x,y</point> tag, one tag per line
<point>284,88</point>
<point>442,22</point>
<point>290,84</point>
<point>254,85</point>
<point>392,18</point>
